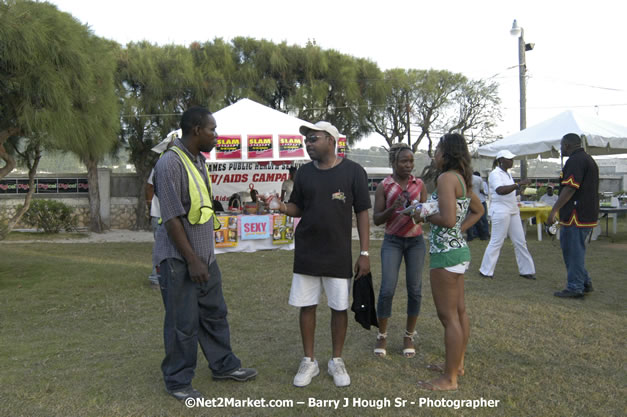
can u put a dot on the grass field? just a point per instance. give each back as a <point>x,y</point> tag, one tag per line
<point>81,335</point>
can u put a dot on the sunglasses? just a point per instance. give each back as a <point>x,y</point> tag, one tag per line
<point>313,138</point>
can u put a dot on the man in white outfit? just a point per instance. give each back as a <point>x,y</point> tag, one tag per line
<point>506,220</point>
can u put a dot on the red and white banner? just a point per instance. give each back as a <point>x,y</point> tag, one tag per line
<point>229,147</point>
<point>341,147</point>
<point>260,147</point>
<point>228,178</point>
<point>291,146</point>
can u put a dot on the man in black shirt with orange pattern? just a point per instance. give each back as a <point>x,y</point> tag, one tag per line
<point>578,206</point>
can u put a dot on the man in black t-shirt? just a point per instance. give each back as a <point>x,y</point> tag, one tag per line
<point>326,192</point>
<point>578,207</point>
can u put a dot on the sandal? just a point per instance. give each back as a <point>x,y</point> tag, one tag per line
<point>381,352</point>
<point>410,352</point>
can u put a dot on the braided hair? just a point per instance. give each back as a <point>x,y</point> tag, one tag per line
<point>395,151</point>
<point>456,156</point>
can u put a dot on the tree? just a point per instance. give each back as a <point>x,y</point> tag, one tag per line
<point>156,85</point>
<point>435,90</point>
<point>98,108</point>
<point>475,110</point>
<point>334,87</point>
<point>52,81</point>
<point>388,112</point>
<point>29,157</point>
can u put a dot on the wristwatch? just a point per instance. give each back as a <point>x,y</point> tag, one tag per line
<point>364,253</point>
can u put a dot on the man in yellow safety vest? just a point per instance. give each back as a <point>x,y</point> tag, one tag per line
<point>190,281</point>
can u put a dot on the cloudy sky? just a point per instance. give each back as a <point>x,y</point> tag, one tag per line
<point>576,64</point>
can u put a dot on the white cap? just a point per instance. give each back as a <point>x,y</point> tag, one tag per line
<point>320,127</point>
<point>505,154</point>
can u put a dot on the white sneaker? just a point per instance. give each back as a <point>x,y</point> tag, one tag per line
<point>306,371</point>
<point>337,370</point>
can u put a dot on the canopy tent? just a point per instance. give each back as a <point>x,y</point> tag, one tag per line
<point>249,131</point>
<point>255,147</point>
<point>600,137</point>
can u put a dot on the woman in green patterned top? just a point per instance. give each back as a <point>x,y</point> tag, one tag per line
<point>450,255</point>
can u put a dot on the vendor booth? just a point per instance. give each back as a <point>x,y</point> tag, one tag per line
<point>256,147</point>
<point>250,233</point>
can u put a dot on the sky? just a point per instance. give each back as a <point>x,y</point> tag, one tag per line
<point>578,61</point>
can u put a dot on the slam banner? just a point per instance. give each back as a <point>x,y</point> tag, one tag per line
<point>226,236</point>
<point>260,146</point>
<point>255,227</point>
<point>341,147</point>
<point>229,147</point>
<point>291,146</point>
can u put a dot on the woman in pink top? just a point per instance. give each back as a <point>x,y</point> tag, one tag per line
<point>403,238</point>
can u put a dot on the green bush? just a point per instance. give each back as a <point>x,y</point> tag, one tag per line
<point>50,216</point>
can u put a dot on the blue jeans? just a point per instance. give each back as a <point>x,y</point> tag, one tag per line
<point>480,229</point>
<point>194,314</point>
<point>573,243</point>
<point>393,249</point>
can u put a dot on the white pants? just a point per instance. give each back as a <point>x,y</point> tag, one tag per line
<point>504,225</point>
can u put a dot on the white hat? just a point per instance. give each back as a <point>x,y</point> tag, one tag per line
<point>320,127</point>
<point>505,154</point>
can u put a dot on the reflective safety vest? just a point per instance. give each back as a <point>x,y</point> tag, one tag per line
<point>201,209</point>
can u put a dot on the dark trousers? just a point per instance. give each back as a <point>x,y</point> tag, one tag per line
<point>194,313</point>
<point>481,229</point>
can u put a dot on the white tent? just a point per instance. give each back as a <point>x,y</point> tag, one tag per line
<point>601,137</point>
<point>248,118</point>
<point>256,146</point>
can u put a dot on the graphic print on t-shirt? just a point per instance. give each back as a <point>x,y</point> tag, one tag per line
<point>338,196</point>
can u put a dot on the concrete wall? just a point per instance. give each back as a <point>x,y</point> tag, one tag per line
<point>118,197</point>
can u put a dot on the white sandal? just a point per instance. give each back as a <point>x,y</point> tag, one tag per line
<point>381,352</point>
<point>410,352</point>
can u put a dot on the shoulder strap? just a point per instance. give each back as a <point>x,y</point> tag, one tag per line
<point>459,178</point>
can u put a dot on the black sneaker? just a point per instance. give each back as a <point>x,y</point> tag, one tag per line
<point>482,275</point>
<point>184,393</point>
<point>566,293</point>
<point>529,276</point>
<point>588,288</point>
<point>240,374</point>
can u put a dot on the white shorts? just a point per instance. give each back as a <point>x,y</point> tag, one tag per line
<point>306,290</point>
<point>459,268</point>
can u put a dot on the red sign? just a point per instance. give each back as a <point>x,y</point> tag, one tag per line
<point>341,147</point>
<point>229,147</point>
<point>291,146</point>
<point>259,146</point>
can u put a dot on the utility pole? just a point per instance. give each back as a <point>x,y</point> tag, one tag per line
<point>408,125</point>
<point>522,77</point>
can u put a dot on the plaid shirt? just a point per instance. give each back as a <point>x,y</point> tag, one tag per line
<point>172,187</point>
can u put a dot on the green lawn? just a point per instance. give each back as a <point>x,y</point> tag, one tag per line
<point>81,334</point>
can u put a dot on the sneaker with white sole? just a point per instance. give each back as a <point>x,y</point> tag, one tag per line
<point>337,370</point>
<point>183,394</point>
<point>306,371</point>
